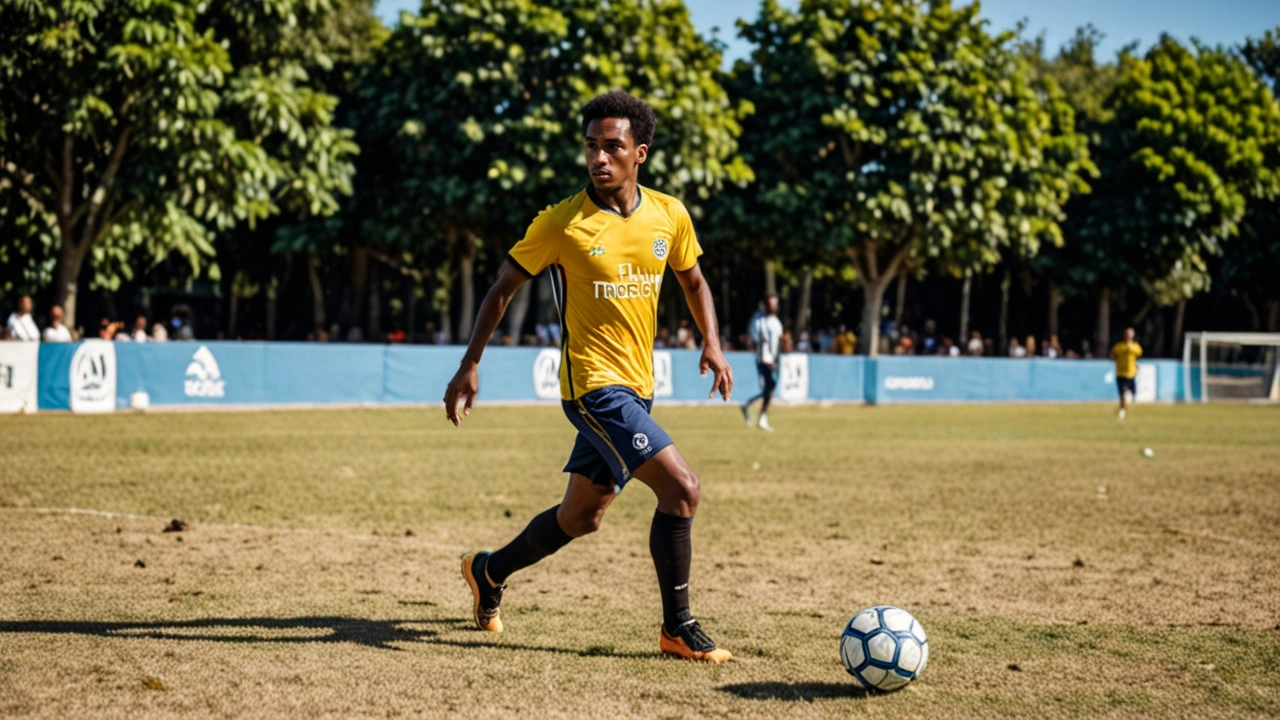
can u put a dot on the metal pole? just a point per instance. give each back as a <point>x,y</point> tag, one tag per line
<point>1204,369</point>
<point>1186,368</point>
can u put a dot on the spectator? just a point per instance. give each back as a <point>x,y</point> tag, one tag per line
<point>108,330</point>
<point>1086,350</point>
<point>845,342</point>
<point>975,345</point>
<point>787,345</point>
<point>1016,350</point>
<point>397,336</point>
<point>56,332</point>
<point>684,336</point>
<point>726,342</point>
<point>159,334</point>
<point>1031,346</point>
<point>906,346</point>
<point>140,329</point>
<point>21,325</point>
<point>180,321</point>
<point>989,347</point>
<point>825,339</point>
<point>1052,349</point>
<point>804,344</point>
<point>930,344</point>
<point>664,338</point>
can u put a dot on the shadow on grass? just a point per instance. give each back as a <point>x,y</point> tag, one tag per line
<point>370,633</point>
<point>805,691</point>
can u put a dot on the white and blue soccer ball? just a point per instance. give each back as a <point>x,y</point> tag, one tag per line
<point>884,648</point>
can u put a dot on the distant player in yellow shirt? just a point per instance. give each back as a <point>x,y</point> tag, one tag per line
<point>607,248</point>
<point>1126,354</point>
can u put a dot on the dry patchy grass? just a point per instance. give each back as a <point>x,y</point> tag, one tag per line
<point>1058,572</point>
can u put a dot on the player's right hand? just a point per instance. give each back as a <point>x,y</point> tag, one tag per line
<point>464,386</point>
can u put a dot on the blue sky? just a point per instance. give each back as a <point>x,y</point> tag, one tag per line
<point>1226,22</point>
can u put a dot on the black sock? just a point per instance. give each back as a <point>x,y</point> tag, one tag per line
<point>671,544</point>
<point>541,537</point>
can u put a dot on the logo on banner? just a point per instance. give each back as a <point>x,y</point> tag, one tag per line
<point>93,377</point>
<point>204,377</point>
<point>546,375</point>
<point>909,382</point>
<point>793,377</point>
<point>18,370</point>
<point>662,382</point>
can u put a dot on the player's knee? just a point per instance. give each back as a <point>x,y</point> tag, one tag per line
<point>686,490</point>
<point>581,523</point>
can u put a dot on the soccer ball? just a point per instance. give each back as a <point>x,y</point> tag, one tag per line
<point>884,648</point>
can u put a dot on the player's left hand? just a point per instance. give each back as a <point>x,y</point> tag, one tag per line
<point>722,377</point>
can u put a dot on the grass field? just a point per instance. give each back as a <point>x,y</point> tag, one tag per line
<point>1058,571</point>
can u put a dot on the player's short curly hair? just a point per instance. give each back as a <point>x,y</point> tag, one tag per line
<point>620,104</point>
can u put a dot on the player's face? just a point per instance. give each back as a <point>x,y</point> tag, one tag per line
<point>613,158</point>
<point>772,305</point>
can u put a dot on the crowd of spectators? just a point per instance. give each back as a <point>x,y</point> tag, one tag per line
<point>840,340</point>
<point>22,327</point>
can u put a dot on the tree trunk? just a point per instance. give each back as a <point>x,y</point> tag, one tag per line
<point>1055,303</point>
<point>233,305</point>
<point>1004,313</point>
<point>1178,317</point>
<point>901,301</point>
<point>517,311</point>
<point>1273,315</point>
<point>273,294</point>
<point>375,305</point>
<point>317,293</point>
<point>770,277</point>
<point>1255,320</point>
<point>965,291</point>
<point>467,278</point>
<point>725,315</point>
<point>359,268</point>
<point>872,300</point>
<point>1103,337</point>
<point>70,260</point>
<point>803,303</point>
<point>410,309</point>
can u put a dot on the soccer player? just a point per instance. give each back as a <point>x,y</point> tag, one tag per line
<point>766,333</point>
<point>607,248</point>
<point>1126,354</point>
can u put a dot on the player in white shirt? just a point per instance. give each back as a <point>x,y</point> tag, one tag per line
<point>21,325</point>
<point>56,332</point>
<point>766,333</point>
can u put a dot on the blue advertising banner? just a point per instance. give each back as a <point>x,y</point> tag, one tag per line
<point>96,376</point>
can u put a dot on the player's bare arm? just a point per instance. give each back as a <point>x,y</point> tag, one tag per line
<point>698,294</point>
<point>466,382</point>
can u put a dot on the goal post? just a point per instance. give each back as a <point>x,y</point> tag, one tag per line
<point>1238,366</point>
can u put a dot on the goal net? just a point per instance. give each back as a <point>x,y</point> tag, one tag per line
<point>1242,367</point>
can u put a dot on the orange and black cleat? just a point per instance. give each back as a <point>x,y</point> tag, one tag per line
<point>487,596</point>
<point>691,643</point>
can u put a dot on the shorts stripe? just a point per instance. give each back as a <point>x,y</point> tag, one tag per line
<point>599,429</point>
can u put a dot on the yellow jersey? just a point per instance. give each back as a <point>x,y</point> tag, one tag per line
<point>1126,355</point>
<point>606,271</point>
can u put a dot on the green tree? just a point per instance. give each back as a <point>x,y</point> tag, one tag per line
<point>1252,261</point>
<point>903,129</point>
<point>1193,135</point>
<point>472,112</point>
<point>145,127</point>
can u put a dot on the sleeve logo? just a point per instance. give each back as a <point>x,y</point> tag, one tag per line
<point>660,248</point>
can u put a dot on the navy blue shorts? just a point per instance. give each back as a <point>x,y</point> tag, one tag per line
<point>1129,384</point>
<point>768,376</point>
<point>616,435</point>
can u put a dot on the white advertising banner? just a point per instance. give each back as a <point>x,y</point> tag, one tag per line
<point>93,377</point>
<point>546,375</point>
<point>19,365</point>
<point>1146,382</point>
<point>793,377</point>
<point>663,385</point>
